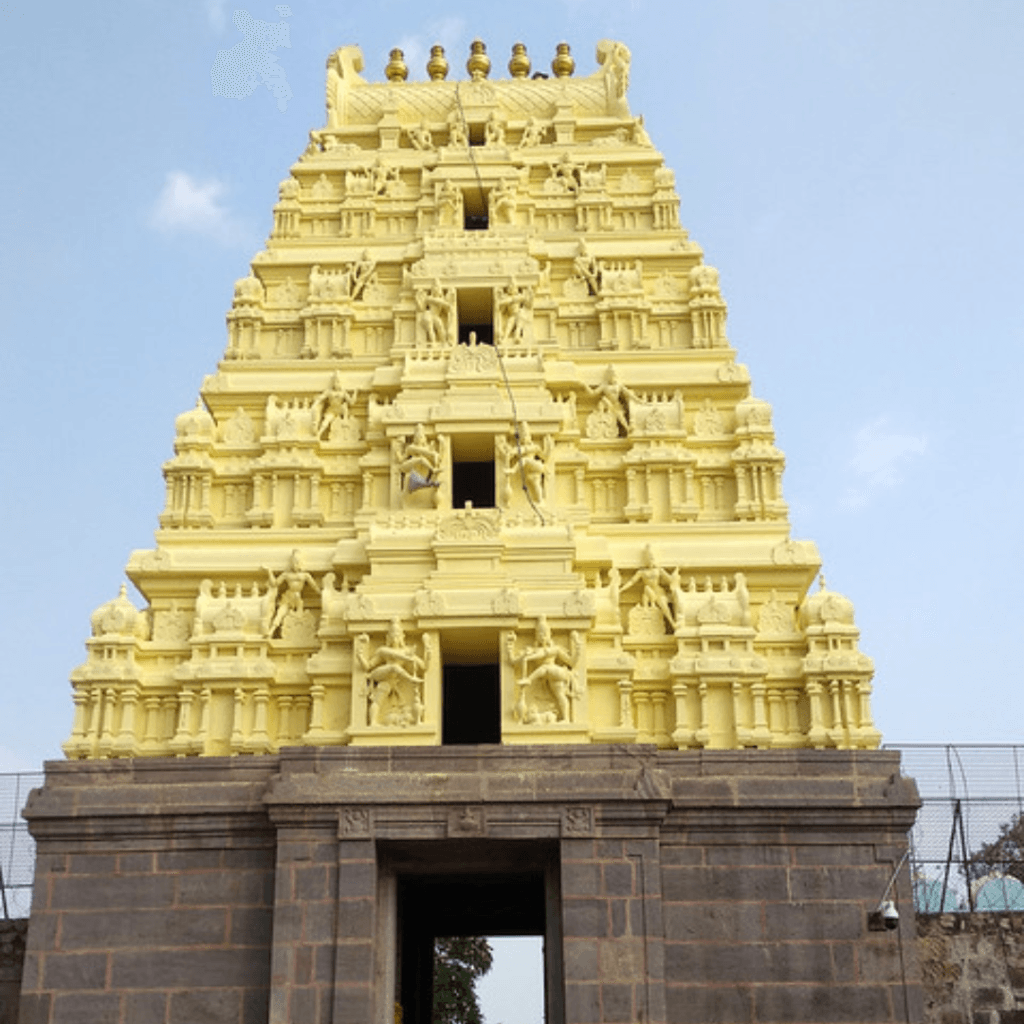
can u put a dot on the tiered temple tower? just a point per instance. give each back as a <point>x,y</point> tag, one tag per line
<point>479,463</point>
<point>473,610</point>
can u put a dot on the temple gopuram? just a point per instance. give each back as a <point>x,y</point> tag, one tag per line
<point>473,610</point>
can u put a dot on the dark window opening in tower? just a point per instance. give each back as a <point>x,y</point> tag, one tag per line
<point>471,687</point>
<point>476,316</point>
<point>475,209</point>
<point>473,471</point>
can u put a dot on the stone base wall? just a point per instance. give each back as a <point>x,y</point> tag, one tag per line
<point>973,967</point>
<point>684,886</point>
<point>12,958</point>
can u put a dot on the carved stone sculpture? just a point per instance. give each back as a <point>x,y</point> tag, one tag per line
<point>394,678</point>
<point>289,601</point>
<point>553,673</point>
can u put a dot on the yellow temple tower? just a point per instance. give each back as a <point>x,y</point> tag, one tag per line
<point>479,463</point>
<point>474,610</point>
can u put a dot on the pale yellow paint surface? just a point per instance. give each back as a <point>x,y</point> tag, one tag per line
<point>633,576</point>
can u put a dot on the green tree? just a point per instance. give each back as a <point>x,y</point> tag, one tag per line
<point>458,962</point>
<point>1005,854</point>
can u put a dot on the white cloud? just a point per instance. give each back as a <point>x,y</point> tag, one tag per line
<point>880,452</point>
<point>216,14</point>
<point>187,205</point>
<point>449,32</point>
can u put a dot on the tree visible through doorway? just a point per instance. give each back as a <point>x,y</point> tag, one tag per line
<point>458,963</point>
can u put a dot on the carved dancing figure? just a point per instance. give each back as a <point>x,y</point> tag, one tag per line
<point>651,576</point>
<point>565,175</point>
<point>295,579</point>
<point>333,403</point>
<point>612,396</point>
<point>392,664</point>
<point>555,670</point>
<point>420,456</point>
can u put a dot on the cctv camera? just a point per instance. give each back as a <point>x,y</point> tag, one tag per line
<point>886,917</point>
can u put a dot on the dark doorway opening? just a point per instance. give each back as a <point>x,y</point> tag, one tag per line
<point>472,704</point>
<point>470,887</point>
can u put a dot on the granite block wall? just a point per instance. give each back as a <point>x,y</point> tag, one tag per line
<point>681,886</point>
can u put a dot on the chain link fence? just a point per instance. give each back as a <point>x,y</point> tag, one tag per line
<point>967,845</point>
<point>17,850</point>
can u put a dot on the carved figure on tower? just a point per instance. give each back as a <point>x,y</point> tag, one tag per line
<point>554,671</point>
<point>289,602</point>
<point>394,678</point>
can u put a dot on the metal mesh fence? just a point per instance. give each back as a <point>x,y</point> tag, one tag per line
<point>17,850</point>
<point>967,845</point>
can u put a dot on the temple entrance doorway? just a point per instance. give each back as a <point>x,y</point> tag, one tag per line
<point>462,888</point>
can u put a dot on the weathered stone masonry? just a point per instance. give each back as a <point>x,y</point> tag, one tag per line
<point>693,886</point>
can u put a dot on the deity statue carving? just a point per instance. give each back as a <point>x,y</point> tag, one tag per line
<point>526,462</point>
<point>494,131</point>
<point>387,179</point>
<point>419,461</point>
<point>533,134</point>
<point>435,315</point>
<point>587,269</point>
<point>289,602</point>
<point>651,577</point>
<point>613,398</point>
<point>502,202</point>
<point>515,304</point>
<point>449,204</point>
<point>546,692</point>
<point>360,273</point>
<point>457,131</point>
<point>322,188</point>
<point>564,177</point>
<point>395,675</point>
<point>332,408</point>
<point>420,137</point>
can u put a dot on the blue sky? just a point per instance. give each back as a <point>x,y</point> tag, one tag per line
<point>853,169</point>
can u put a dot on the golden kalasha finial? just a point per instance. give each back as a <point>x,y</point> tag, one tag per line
<point>479,64</point>
<point>397,70</point>
<point>563,65</point>
<point>519,65</point>
<point>437,66</point>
